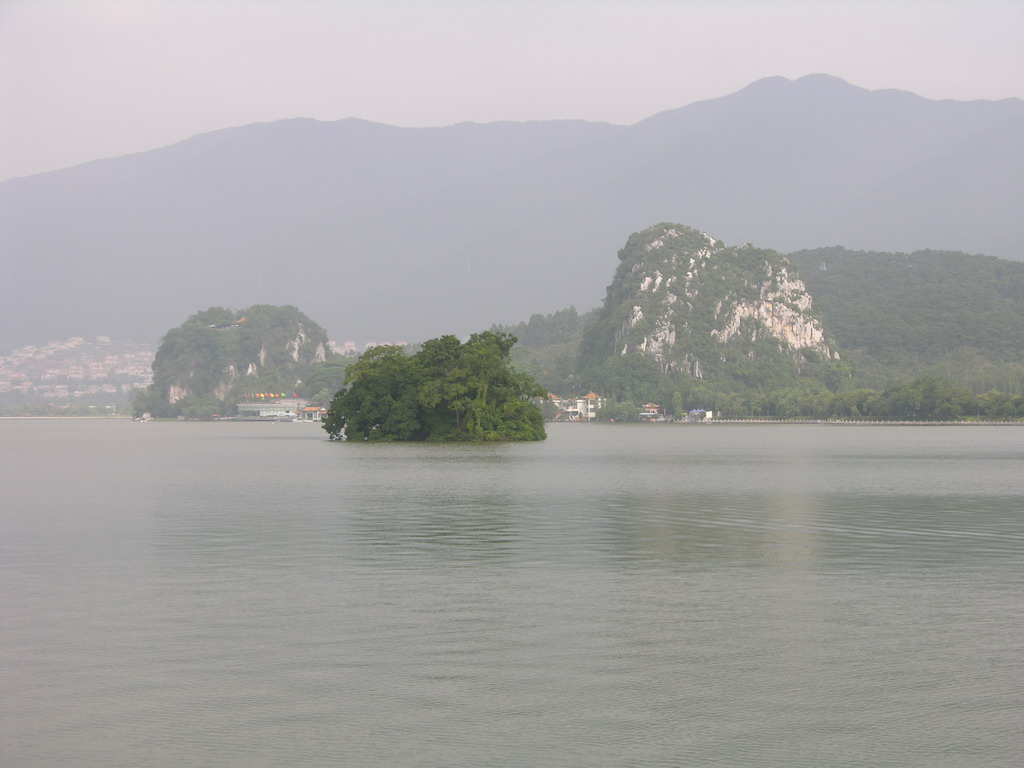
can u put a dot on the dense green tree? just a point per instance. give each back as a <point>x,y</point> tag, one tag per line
<point>446,391</point>
<point>624,411</point>
<point>324,379</point>
<point>926,399</point>
<point>381,401</point>
<point>998,405</point>
<point>199,408</point>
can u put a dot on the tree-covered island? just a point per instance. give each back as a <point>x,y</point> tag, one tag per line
<point>447,391</point>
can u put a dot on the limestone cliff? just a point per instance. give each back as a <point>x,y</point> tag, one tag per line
<point>691,304</point>
<point>221,354</point>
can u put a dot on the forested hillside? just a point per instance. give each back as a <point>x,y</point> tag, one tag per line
<point>897,316</point>
<point>549,347</point>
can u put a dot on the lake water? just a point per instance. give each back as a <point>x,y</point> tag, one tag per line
<point>244,594</point>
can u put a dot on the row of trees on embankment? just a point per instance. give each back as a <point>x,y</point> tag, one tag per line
<point>925,399</point>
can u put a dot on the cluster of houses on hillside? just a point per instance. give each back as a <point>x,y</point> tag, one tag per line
<point>76,367</point>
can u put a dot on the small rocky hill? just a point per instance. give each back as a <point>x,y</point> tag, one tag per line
<point>217,356</point>
<point>695,306</point>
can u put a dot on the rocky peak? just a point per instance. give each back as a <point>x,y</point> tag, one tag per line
<point>220,353</point>
<point>691,303</point>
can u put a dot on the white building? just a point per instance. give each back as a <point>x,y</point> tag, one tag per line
<point>578,408</point>
<point>272,409</point>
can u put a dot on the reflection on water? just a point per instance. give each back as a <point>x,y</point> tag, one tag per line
<point>240,594</point>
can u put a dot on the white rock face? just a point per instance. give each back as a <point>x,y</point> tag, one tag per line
<point>636,316</point>
<point>782,312</point>
<point>176,393</point>
<point>659,344</point>
<point>652,282</point>
<point>780,322</point>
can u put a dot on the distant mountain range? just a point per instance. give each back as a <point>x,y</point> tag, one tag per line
<point>389,234</point>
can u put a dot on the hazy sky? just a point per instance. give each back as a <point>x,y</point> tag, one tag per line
<point>83,79</point>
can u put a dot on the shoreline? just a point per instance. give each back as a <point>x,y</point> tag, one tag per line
<point>722,422</point>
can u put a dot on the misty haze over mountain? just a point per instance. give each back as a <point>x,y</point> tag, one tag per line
<point>384,233</point>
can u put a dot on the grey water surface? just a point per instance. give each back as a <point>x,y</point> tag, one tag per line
<point>619,595</point>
